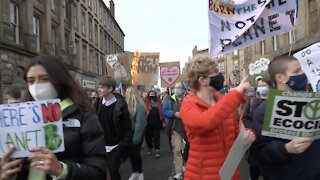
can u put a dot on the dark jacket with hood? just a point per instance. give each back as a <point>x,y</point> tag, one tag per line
<point>84,152</point>
<point>275,163</point>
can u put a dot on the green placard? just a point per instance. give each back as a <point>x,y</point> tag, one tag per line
<point>292,114</point>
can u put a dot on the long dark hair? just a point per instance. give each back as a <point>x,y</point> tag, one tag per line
<point>62,80</point>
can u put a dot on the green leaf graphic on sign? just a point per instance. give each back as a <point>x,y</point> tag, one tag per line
<point>312,110</point>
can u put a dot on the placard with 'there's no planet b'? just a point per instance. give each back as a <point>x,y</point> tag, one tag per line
<point>31,124</point>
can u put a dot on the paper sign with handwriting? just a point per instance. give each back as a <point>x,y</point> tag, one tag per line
<point>169,73</point>
<point>31,124</point>
<point>238,24</point>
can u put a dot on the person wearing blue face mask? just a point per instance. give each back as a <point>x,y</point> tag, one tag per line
<point>281,159</point>
<point>171,110</point>
<point>264,84</point>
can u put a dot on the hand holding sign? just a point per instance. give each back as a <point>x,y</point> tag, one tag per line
<point>48,163</point>
<point>299,145</point>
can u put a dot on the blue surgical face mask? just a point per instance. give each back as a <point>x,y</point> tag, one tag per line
<point>263,90</point>
<point>178,92</point>
<point>297,82</point>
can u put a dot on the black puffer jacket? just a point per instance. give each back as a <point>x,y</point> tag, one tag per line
<point>85,153</point>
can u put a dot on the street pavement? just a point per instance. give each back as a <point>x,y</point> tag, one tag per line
<point>161,168</point>
<point>153,168</point>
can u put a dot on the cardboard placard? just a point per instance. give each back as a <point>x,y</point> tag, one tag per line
<point>148,68</point>
<point>169,73</point>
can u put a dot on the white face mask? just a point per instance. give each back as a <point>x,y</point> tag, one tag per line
<point>43,91</point>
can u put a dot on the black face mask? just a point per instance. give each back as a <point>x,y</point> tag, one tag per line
<point>217,82</point>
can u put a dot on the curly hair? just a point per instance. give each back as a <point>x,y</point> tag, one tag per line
<point>198,66</point>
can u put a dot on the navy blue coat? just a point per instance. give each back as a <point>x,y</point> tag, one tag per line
<point>275,163</point>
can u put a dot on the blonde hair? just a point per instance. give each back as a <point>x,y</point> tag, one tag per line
<point>198,66</point>
<point>133,99</point>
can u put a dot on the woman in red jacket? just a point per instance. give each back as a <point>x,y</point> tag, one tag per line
<point>209,118</point>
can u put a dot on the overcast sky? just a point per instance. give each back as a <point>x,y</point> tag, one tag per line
<point>171,27</point>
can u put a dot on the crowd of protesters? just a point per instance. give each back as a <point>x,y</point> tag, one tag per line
<point>201,123</point>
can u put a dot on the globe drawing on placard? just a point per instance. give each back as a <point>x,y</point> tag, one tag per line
<point>312,110</point>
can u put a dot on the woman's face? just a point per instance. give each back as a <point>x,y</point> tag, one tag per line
<point>205,81</point>
<point>37,74</point>
<point>39,83</point>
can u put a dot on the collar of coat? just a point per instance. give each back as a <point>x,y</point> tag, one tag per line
<point>193,97</point>
<point>66,103</point>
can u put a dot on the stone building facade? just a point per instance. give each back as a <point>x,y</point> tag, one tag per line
<point>80,32</point>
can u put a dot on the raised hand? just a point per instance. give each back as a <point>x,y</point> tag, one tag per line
<point>244,86</point>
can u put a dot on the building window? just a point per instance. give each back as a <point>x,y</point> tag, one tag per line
<point>90,28</point>
<point>53,4</point>
<point>105,42</point>
<point>221,67</point>
<point>90,60</point>
<point>83,22</point>
<point>64,8</point>
<point>236,70</point>
<point>235,65</point>
<point>101,40</point>
<point>275,43</point>
<point>14,20</point>
<point>66,47</point>
<point>292,37</point>
<point>76,59</point>
<point>101,12</point>
<point>90,3</point>
<point>97,63</point>
<point>96,34</point>
<point>235,53</point>
<point>53,41</point>
<point>101,65</point>
<point>94,6</point>
<point>262,48</point>
<point>36,32</point>
<point>84,56</point>
<point>74,15</point>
